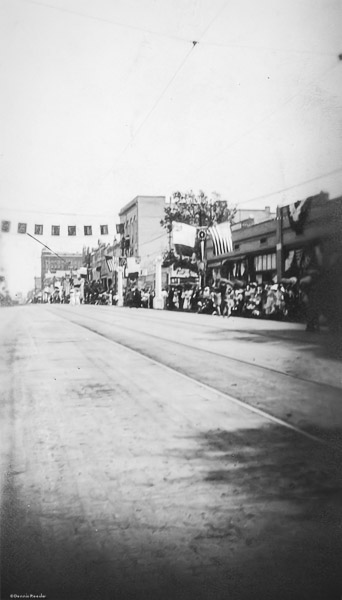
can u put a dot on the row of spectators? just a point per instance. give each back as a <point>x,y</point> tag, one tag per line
<point>289,300</point>
<point>277,301</point>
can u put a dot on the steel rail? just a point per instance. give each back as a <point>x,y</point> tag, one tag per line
<point>233,358</point>
<point>261,413</point>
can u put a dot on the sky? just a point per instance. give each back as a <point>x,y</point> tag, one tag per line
<point>103,101</point>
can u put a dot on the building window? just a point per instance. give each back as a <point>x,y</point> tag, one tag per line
<point>55,230</point>
<point>87,230</point>
<point>263,240</point>
<point>265,262</point>
<point>236,246</point>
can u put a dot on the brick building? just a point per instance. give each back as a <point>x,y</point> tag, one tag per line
<point>58,266</point>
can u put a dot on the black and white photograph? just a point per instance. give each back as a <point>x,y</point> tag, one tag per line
<point>171,299</point>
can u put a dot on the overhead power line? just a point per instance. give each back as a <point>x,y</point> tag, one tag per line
<point>171,36</point>
<point>45,246</point>
<point>264,119</point>
<point>163,92</point>
<point>59,214</point>
<point>291,187</point>
<point>159,237</point>
<point>160,96</point>
<point>155,104</point>
<point>268,48</point>
<point>105,20</point>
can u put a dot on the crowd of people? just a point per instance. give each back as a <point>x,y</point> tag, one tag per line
<point>274,301</point>
<point>287,300</point>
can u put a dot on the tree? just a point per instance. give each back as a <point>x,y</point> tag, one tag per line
<point>198,210</point>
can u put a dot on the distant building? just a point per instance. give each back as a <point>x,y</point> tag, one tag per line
<point>102,263</point>
<point>52,265</point>
<point>37,284</point>
<point>246,217</point>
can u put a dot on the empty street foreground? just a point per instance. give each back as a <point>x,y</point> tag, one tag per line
<point>156,455</point>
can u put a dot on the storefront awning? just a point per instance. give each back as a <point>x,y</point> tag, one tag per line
<point>234,258</point>
<point>214,263</point>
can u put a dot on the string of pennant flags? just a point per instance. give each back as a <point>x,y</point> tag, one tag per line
<point>55,229</point>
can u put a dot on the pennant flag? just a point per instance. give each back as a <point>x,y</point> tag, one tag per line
<point>297,214</point>
<point>184,234</point>
<point>38,229</point>
<point>110,263</point>
<point>289,260</point>
<point>5,226</point>
<point>55,229</point>
<point>222,238</point>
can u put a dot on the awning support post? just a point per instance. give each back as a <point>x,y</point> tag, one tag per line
<point>120,295</point>
<point>158,301</point>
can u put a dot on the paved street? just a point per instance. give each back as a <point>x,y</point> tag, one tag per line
<point>157,455</point>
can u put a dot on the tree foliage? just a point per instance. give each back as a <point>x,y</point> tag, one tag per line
<point>199,210</point>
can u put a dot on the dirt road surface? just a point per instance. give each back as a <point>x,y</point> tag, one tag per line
<point>155,455</point>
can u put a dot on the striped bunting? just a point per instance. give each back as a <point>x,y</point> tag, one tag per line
<point>222,238</point>
<point>110,263</point>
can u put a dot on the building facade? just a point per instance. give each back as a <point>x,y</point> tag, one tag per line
<point>245,217</point>
<point>52,265</point>
<point>278,248</point>
<point>102,263</point>
<point>143,239</point>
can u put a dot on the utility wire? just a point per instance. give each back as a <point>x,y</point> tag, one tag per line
<point>269,48</point>
<point>45,246</point>
<point>159,98</point>
<point>264,119</point>
<point>61,214</point>
<point>104,20</point>
<point>221,9</point>
<point>194,44</point>
<point>170,35</point>
<point>162,235</point>
<point>291,187</point>
<point>154,106</point>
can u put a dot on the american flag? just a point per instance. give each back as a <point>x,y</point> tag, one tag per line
<point>222,238</point>
<point>110,263</point>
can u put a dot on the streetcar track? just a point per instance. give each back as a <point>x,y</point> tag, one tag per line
<point>261,413</point>
<point>256,332</point>
<point>232,358</point>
